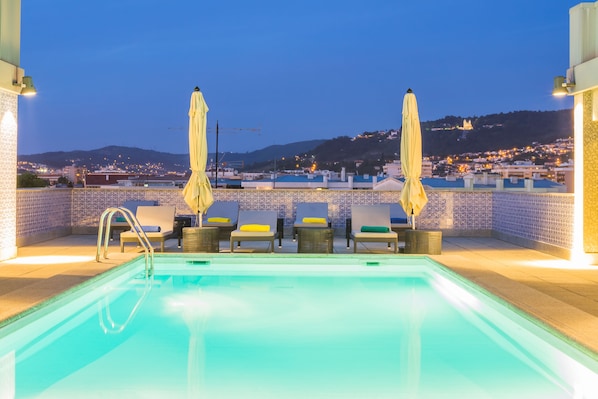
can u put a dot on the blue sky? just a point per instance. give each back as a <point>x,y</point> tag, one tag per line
<point>122,72</point>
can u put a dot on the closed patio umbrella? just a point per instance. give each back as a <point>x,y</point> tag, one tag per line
<point>198,191</point>
<point>413,197</point>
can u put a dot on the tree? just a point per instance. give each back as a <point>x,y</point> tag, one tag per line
<point>64,181</point>
<point>29,179</point>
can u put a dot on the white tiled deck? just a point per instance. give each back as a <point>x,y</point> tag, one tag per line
<point>551,289</point>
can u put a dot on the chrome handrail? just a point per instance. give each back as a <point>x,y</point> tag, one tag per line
<point>104,230</point>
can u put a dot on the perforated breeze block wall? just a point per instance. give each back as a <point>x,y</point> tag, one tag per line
<point>458,212</point>
<point>534,220</point>
<point>43,213</point>
<point>540,221</point>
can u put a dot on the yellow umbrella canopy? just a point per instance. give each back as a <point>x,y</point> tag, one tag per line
<point>198,191</point>
<point>413,197</point>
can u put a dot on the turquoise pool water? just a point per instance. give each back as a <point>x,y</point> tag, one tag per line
<point>286,327</point>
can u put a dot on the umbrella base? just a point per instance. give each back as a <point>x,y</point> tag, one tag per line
<point>423,242</point>
<point>315,240</point>
<point>201,239</point>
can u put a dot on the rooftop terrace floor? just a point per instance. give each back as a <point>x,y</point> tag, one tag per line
<point>553,290</point>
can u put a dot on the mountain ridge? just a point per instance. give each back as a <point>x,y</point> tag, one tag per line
<point>441,137</point>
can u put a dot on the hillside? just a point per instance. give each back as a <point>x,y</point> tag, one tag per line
<point>496,131</point>
<point>439,138</point>
<point>135,158</point>
<point>491,132</point>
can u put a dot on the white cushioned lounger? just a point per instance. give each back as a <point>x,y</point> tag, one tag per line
<point>259,218</point>
<point>376,217</point>
<point>152,216</point>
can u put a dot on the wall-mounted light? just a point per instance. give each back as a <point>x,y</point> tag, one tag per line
<point>561,86</point>
<point>27,87</point>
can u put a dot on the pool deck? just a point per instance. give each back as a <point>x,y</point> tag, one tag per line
<point>558,292</point>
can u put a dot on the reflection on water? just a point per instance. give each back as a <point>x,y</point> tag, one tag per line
<point>280,336</point>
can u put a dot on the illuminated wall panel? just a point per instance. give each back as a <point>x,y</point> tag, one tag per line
<point>590,176</point>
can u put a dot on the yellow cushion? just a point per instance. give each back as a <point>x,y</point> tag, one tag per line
<point>314,220</point>
<point>218,220</point>
<point>255,227</point>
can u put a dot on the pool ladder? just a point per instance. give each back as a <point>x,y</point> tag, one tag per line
<point>104,232</point>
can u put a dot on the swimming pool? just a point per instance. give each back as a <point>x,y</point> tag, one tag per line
<point>274,326</point>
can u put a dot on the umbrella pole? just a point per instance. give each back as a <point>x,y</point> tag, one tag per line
<point>199,218</point>
<point>412,221</point>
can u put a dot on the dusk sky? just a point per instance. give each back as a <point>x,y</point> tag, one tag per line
<point>122,72</point>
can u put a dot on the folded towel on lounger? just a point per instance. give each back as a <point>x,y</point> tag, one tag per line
<point>374,229</point>
<point>255,227</point>
<point>398,220</point>
<point>314,220</point>
<point>218,220</point>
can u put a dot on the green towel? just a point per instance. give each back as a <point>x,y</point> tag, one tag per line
<point>374,229</point>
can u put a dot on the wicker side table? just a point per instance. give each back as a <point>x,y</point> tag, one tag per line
<point>201,239</point>
<point>401,231</point>
<point>423,242</point>
<point>314,240</point>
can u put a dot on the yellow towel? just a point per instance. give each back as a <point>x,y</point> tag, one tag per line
<point>314,220</point>
<point>218,220</point>
<point>255,227</point>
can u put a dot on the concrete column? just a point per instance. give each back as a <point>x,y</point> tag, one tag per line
<point>583,74</point>
<point>8,171</point>
<point>468,182</point>
<point>528,184</point>
<point>10,53</point>
<point>590,172</point>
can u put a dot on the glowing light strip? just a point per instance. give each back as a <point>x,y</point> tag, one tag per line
<point>577,252</point>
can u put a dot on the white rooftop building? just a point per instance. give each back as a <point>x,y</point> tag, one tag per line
<point>393,169</point>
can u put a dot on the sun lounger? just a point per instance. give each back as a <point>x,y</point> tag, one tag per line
<point>371,223</point>
<point>157,223</point>
<point>119,223</point>
<point>398,217</point>
<point>311,215</point>
<point>399,222</point>
<point>255,226</point>
<point>224,215</point>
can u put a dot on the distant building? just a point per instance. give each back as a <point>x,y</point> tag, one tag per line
<point>467,125</point>
<point>478,181</point>
<point>521,169</point>
<point>107,178</point>
<point>75,174</point>
<point>388,184</point>
<point>51,178</point>
<point>393,169</point>
<point>564,174</point>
